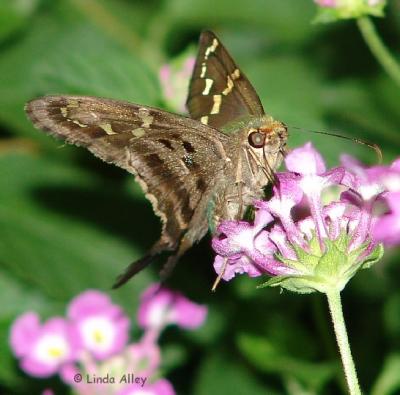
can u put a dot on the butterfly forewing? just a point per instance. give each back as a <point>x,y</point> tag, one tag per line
<point>219,91</point>
<point>174,158</point>
<point>188,169</point>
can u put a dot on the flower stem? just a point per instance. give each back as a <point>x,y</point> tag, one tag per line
<point>335,308</point>
<point>378,48</point>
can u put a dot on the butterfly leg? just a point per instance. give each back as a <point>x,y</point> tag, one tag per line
<point>239,183</point>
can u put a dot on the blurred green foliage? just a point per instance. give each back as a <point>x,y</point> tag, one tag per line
<point>68,222</point>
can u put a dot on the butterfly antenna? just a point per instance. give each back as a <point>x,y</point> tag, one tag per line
<point>374,146</point>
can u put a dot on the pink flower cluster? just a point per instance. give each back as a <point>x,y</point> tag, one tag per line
<point>174,79</point>
<point>89,348</point>
<point>334,10</point>
<point>295,231</point>
<point>326,3</point>
<point>343,3</point>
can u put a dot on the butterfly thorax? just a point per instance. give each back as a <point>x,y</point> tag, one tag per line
<point>255,151</point>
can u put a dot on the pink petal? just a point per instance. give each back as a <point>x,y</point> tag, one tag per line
<point>144,358</point>
<point>169,307</point>
<point>90,302</point>
<point>387,227</point>
<point>160,387</point>
<point>396,165</point>
<point>189,315</point>
<point>305,160</point>
<point>327,3</point>
<point>237,266</point>
<point>24,332</point>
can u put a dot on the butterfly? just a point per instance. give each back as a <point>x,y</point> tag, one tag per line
<point>196,171</point>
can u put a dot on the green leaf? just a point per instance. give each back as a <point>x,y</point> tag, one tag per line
<point>288,22</point>
<point>308,261</point>
<point>48,241</point>
<point>332,261</point>
<point>273,282</point>
<point>392,314</point>
<point>23,300</point>
<point>8,366</point>
<point>388,380</point>
<point>223,375</point>
<point>60,56</point>
<point>299,284</point>
<point>266,357</point>
<point>375,256</point>
<point>14,15</point>
<point>173,355</point>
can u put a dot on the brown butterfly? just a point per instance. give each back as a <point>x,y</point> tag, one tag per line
<point>195,171</point>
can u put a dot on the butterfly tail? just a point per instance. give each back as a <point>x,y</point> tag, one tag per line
<point>161,246</point>
<point>172,260</point>
<point>137,266</point>
<point>132,269</point>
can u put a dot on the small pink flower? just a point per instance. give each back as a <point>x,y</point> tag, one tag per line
<point>333,10</point>
<point>346,3</point>
<point>43,349</point>
<point>143,358</point>
<point>327,3</point>
<point>174,79</point>
<point>102,326</point>
<point>373,3</point>
<point>160,307</point>
<point>160,387</point>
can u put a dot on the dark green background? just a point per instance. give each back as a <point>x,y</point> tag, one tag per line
<point>69,222</point>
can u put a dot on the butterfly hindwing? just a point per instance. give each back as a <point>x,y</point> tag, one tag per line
<point>171,156</point>
<point>219,91</point>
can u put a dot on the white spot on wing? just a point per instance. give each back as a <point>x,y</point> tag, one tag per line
<point>138,132</point>
<point>209,83</point>
<point>76,122</point>
<point>229,86</point>
<point>204,120</point>
<point>145,116</point>
<point>236,74</point>
<point>94,115</point>
<point>217,104</point>
<point>107,128</point>
<point>203,70</point>
<point>211,48</point>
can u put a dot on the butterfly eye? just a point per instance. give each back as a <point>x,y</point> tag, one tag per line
<point>256,139</point>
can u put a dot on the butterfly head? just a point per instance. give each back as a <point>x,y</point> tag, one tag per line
<point>269,135</point>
